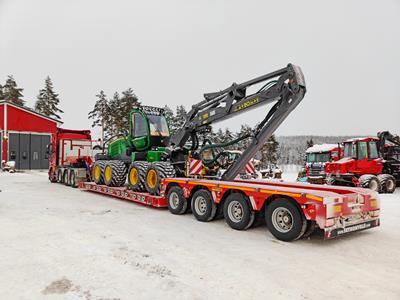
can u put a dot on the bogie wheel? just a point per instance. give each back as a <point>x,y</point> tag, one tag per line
<point>97,171</point>
<point>284,220</point>
<point>387,182</point>
<point>177,203</point>
<point>370,182</point>
<point>114,173</point>
<point>72,179</point>
<point>155,173</point>
<point>65,178</point>
<point>60,176</point>
<point>203,207</point>
<point>237,212</point>
<point>137,175</point>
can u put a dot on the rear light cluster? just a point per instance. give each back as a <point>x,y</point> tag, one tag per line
<point>374,213</point>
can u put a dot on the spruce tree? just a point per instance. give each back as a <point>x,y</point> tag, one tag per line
<point>47,101</point>
<point>116,122</point>
<point>269,151</point>
<point>1,93</point>
<point>310,143</point>
<point>228,136</point>
<point>12,93</point>
<point>179,119</point>
<point>101,114</point>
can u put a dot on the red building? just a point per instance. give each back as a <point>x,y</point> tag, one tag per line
<point>25,135</point>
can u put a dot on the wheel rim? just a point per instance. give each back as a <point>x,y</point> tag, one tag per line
<point>107,173</point>
<point>373,185</point>
<point>97,172</point>
<point>390,185</point>
<point>282,219</point>
<point>201,205</point>
<point>152,179</point>
<point>174,200</point>
<point>133,176</point>
<point>235,211</point>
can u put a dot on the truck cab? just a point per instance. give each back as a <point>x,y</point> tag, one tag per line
<point>316,158</point>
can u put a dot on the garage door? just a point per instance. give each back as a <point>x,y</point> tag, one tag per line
<point>28,150</point>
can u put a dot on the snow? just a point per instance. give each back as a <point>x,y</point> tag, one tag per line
<point>62,243</point>
<point>321,148</point>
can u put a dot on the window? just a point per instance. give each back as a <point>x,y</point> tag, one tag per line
<point>373,150</point>
<point>348,150</point>
<point>158,125</point>
<point>362,150</point>
<point>318,157</point>
<point>138,125</point>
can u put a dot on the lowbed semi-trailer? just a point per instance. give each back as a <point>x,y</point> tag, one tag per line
<point>291,210</point>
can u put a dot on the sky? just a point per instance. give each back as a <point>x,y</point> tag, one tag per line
<point>171,52</point>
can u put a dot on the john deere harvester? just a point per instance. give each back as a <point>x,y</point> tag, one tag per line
<point>147,154</point>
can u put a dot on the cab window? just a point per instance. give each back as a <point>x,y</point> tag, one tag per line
<point>362,150</point>
<point>373,150</point>
<point>138,125</point>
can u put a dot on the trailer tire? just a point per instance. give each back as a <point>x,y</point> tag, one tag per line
<point>284,220</point>
<point>59,176</point>
<point>203,207</point>
<point>155,173</point>
<point>237,212</point>
<point>97,173</point>
<point>370,182</point>
<point>137,183</point>
<point>115,173</point>
<point>387,182</point>
<point>177,203</point>
<point>65,177</point>
<point>72,179</point>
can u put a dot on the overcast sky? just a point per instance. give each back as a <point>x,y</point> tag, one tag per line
<point>171,52</point>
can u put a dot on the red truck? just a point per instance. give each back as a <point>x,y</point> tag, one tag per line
<point>316,158</point>
<point>70,156</point>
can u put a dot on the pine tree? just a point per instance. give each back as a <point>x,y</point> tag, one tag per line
<point>1,93</point>
<point>116,122</point>
<point>310,143</point>
<point>169,116</point>
<point>228,136</point>
<point>179,119</point>
<point>269,151</point>
<point>47,101</point>
<point>243,144</point>
<point>12,93</point>
<point>101,114</point>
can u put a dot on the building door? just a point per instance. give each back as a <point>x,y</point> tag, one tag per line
<point>24,151</point>
<point>35,153</point>
<point>13,148</point>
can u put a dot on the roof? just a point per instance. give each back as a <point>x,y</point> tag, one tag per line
<point>321,148</point>
<point>30,110</point>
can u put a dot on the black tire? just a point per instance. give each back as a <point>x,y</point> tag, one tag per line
<point>387,182</point>
<point>284,220</point>
<point>72,179</point>
<point>60,176</point>
<point>238,213</point>
<point>330,180</point>
<point>97,147</point>
<point>309,230</point>
<point>177,203</point>
<point>370,182</point>
<point>203,207</point>
<point>141,169</point>
<point>98,175</point>
<point>66,178</point>
<point>155,173</point>
<point>117,175</point>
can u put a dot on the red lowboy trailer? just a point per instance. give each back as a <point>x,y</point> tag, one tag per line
<point>291,210</point>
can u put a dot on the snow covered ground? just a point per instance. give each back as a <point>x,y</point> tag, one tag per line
<point>61,243</point>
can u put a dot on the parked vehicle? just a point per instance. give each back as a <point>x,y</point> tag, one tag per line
<point>316,158</point>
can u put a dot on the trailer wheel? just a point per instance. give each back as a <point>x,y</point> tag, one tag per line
<point>65,178</point>
<point>97,173</point>
<point>309,230</point>
<point>284,220</point>
<point>203,207</point>
<point>370,182</point>
<point>387,182</point>
<point>72,179</point>
<point>237,212</point>
<point>155,172</point>
<point>177,203</point>
<point>137,175</point>
<point>115,173</point>
<point>60,176</point>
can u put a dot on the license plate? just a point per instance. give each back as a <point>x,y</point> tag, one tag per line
<point>358,227</point>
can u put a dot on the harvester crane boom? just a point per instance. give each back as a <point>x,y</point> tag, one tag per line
<point>286,89</point>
